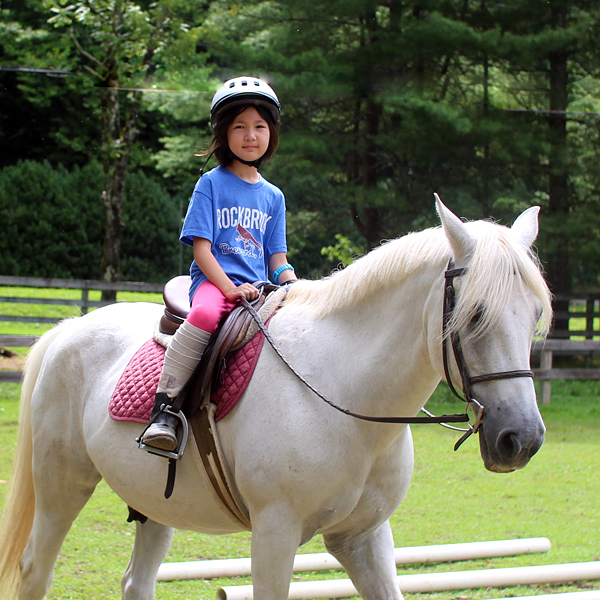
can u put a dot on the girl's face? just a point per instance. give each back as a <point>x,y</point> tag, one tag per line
<point>248,135</point>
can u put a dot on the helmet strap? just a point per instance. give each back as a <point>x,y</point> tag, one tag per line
<point>250,163</point>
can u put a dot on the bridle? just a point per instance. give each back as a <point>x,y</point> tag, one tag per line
<point>448,310</point>
<point>466,380</point>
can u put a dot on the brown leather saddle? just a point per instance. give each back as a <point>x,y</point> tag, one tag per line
<point>177,303</point>
<point>228,336</point>
<point>194,399</point>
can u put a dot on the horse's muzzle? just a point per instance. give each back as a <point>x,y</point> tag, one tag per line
<point>509,449</point>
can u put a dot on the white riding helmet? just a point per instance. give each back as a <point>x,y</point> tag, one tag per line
<point>245,90</point>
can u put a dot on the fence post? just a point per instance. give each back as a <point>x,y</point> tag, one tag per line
<point>546,386</point>
<point>85,293</point>
<point>589,318</point>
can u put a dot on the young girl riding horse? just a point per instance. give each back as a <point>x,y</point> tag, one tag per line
<point>236,225</point>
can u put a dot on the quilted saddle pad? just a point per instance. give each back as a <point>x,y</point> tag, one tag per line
<point>133,397</point>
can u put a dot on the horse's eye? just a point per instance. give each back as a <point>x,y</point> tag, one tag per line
<point>477,317</point>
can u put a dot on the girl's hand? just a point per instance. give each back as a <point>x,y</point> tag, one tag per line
<point>246,290</point>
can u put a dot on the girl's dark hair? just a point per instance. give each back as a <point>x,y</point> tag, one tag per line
<point>219,145</point>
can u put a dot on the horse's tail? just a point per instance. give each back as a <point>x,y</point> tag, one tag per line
<point>17,518</point>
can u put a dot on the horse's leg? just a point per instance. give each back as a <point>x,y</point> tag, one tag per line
<point>64,477</point>
<point>152,542</point>
<point>57,505</point>
<point>369,561</point>
<point>274,545</point>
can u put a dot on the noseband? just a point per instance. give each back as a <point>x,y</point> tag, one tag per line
<point>466,380</point>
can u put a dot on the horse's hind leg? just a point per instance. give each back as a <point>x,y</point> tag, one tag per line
<point>55,512</point>
<point>369,561</point>
<point>64,478</point>
<point>152,542</point>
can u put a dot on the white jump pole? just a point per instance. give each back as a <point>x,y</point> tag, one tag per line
<point>237,567</point>
<point>592,595</point>
<point>435,582</point>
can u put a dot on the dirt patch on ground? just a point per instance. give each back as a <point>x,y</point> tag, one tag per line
<point>9,361</point>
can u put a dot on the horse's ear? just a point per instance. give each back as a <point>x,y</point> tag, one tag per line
<point>526,226</point>
<point>461,242</point>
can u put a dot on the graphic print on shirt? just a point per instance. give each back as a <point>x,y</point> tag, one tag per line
<point>243,219</point>
<point>248,239</point>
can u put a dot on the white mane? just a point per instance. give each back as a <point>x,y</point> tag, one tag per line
<point>488,283</point>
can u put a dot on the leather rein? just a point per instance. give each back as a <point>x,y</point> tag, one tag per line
<point>448,310</point>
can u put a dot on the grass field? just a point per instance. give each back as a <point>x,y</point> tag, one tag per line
<point>452,499</point>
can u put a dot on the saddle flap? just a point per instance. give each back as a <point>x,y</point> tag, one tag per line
<point>231,329</point>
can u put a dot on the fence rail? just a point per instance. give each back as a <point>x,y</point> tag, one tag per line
<point>83,303</point>
<point>581,306</point>
<point>584,306</point>
<point>547,349</point>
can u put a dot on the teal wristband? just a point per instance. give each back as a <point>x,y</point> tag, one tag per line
<point>281,270</point>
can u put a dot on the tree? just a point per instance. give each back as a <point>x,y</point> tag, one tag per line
<point>52,223</point>
<point>493,105</point>
<point>124,45</point>
<point>387,102</point>
<point>44,108</point>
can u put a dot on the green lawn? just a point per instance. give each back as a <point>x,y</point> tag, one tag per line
<point>452,499</point>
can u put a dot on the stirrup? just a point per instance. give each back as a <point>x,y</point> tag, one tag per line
<point>181,440</point>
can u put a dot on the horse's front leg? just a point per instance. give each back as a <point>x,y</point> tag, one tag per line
<point>369,561</point>
<point>275,539</point>
<point>152,543</point>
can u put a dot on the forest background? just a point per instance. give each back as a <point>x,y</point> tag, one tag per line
<point>105,108</point>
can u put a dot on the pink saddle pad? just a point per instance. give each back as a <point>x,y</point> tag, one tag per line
<point>133,397</point>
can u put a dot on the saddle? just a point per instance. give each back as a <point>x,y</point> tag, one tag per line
<point>194,400</point>
<point>232,333</point>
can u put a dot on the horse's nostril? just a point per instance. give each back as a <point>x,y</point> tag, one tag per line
<point>508,445</point>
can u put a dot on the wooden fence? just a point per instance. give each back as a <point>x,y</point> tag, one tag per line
<point>83,303</point>
<point>548,371</point>
<point>584,307</point>
<point>579,343</point>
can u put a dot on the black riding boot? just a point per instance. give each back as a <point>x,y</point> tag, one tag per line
<point>162,433</point>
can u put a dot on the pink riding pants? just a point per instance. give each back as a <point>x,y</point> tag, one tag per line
<point>209,306</point>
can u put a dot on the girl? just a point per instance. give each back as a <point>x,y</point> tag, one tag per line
<point>236,225</point>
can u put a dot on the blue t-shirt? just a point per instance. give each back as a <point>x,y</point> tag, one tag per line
<point>245,223</point>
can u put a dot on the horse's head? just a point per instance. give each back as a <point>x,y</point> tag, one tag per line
<point>500,299</point>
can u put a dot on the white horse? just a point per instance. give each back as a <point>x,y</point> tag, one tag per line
<point>368,338</point>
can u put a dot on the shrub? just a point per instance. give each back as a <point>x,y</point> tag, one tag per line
<point>53,222</point>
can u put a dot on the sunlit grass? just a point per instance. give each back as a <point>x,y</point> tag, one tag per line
<point>56,312</point>
<point>451,499</point>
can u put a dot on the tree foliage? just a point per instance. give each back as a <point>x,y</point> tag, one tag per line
<point>53,227</point>
<point>492,105</point>
<point>387,102</point>
<point>123,45</point>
